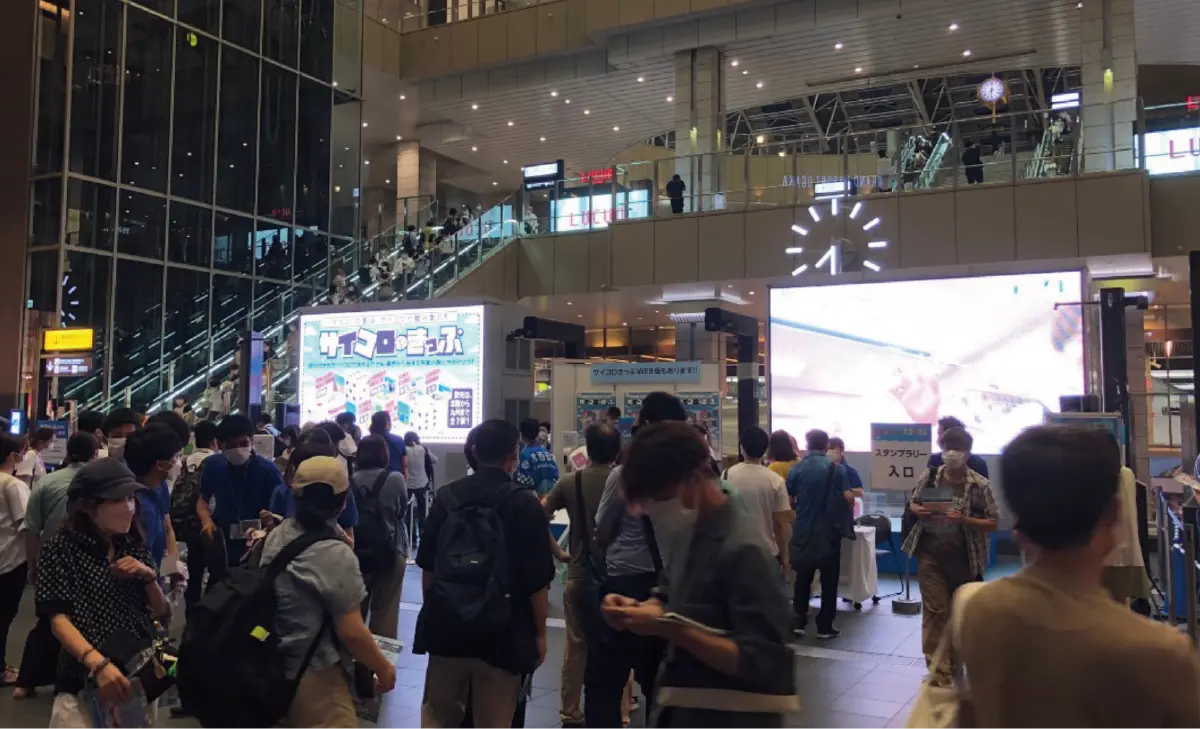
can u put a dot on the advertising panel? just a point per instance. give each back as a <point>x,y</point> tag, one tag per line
<point>422,366</point>
<point>1176,150</point>
<point>574,213</point>
<point>996,352</point>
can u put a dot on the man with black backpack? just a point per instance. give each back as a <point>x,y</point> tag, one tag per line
<point>487,568</point>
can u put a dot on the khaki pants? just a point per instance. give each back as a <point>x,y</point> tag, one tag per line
<point>323,699</point>
<point>575,660</point>
<point>937,590</point>
<point>383,600</point>
<point>447,681</point>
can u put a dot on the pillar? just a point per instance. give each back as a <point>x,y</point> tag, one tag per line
<point>17,56</point>
<point>1109,97</point>
<point>416,183</point>
<point>699,124</point>
<point>693,344</point>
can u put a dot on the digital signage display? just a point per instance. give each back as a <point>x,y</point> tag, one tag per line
<point>422,366</point>
<point>1173,151</point>
<point>994,351</point>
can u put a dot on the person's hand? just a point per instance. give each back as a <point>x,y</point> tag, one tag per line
<point>130,568</point>
<point>266,518</point>
<point>208,529</point>
<point>540,642</point>
<point>563,556</point>
<point>113,685</point>
<point>610,609</point>
<point>919,509</point>
<point>385,681</point>
<point>643,619</point>
<point>955,517</point>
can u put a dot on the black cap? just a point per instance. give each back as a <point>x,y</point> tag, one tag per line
<point>104,479</point>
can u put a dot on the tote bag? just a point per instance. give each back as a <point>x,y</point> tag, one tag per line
<point>939,706</point>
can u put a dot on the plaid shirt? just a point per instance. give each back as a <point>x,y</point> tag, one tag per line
<point>976,498</point>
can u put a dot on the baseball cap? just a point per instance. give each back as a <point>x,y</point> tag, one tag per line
<point>322,469</point>
<point>104,479</point>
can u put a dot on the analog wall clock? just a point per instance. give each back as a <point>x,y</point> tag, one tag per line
<point>992,90</point>
<point>840,247</point>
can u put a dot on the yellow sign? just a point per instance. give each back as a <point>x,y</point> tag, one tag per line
<point>68,340</point>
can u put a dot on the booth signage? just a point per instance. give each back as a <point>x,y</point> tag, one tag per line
<point>591,408</point>
<point>899,454</point>
<point>69,366</point>
<point>616,372</point>
<point>68,340</point>
<point>543,174</point>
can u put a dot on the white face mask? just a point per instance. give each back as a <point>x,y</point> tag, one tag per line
<point>237,456</point>
<point>954,459</point>
<point>115,517</point>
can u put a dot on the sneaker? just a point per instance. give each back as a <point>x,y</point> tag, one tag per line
<point>827,634</point>
<point>798,632</point>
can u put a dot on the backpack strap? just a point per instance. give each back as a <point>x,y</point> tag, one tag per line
<point>294,548</point>
<point>380,480</point>
<point>652,543</point>
<point>581,507</point>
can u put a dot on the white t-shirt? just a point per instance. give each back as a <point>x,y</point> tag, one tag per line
<point>14,495</point>
<point>764,493</point>
<point>31,467</point>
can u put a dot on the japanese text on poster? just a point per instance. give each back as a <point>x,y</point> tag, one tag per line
<point>591,408</point>
<point>704,408</point>
<point>424,367</point>
<point>899,453</point>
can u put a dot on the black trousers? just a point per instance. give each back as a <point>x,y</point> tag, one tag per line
<point>420,510</point>
<point>613,654</point>
<point>12,586</point>
<point>676,205</point>
<point>974,175</point>
<point>830,567</point>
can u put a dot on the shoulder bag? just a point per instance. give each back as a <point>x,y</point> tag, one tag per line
<point>943,707</point>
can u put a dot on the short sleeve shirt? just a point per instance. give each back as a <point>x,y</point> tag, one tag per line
<point>562,496</point>
<point>32,466</point>
<point>74,580</point>
<point>537,469</point>
<point>154,505</point>
<point>322,583</point>
<point>764,494</point>
<point>239,493</point>
<point>14,498</point>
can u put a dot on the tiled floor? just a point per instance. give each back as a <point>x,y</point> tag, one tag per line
<point>867,677</point>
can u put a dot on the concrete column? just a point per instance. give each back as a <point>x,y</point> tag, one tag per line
<point>699,124</point>
<point>693,344</point>
<point>416,180</point>
<point>1109,97</point>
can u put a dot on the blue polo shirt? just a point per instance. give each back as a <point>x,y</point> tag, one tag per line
<point>153,506</point>
<point>396,452</point>
<point>283,503</point>
<point>240,493</point>
<point>537,470</point>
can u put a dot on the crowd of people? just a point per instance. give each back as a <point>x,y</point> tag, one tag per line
<point>676,580</point>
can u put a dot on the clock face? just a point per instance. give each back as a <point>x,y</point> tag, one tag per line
<point>992,90</point>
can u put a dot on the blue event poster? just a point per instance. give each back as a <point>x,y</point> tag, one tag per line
<point>592,408</point>
<point>704,408</point>
<point>424,367</point>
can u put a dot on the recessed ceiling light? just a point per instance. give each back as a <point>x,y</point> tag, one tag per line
<point>745,73</point>
<point>624,323</point>
<point>510,123</point>
<point>505,161</point>
<point>543,139</point>
<point>495,183</point>
<point>759,139</point>
<point>752,293</point>
<point>365,125</point>
<point>858,69</point>
<point>1078,5</point>
<point>566,101</point>
<point>403,97</point>
<point>837,46</point>
<point>758,85</point>
<point>670,99</point>
<point>916,65</point>
<point>347,149</point>
<point>398,137</point>
<point>616,129</point>
<point>366,162</point>
<point>580,315</point>
<point>587,111</point>
<point>967,52</point>
<point>570,303</point>
<point>782,153</point>
<point>474,149</point>
<point>954,26</point>
<point>641,79</point>
<point>554,93</point>
<point>474,107</point>
<point>387,182</point>
<point>734,63</point>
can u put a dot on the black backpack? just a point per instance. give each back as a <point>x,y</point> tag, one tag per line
<point>231,670</point>
<point>469,597</point>
<point>184,497</point>
<point>374,542</point>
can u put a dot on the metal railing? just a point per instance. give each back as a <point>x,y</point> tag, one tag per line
<point>1176,524</point>
<point>421,14</point>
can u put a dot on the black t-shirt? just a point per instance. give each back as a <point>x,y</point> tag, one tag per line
<point>530,561</point>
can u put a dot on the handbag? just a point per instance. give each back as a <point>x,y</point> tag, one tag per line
<point>942,707</point>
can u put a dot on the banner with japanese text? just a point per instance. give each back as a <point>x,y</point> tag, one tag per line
<point>899,454</point>
<point>424,367</point>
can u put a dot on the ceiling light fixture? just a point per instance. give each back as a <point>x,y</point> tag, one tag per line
<point>641,79</point>
<point>566,101</point>
<point>616,129</point>
<point>872,224</point>
<point>387,182</point>
<point>505,161</point>
<point>782,153</point>
<point>365,125</point>
<point>495,183</point>
<point>954,26</point>
<point>366,162</point>
<point>510,123</point>
<point>752,293</point>
<point>554,93</point>
<point>398,137</point>
<point>587,111</point>
<point>794,251</point>
<point>474,149</point>
<point>877,244</point>
<point>800,269</point>
<point>871,265</point>
<point>858,69</point>
<point>670,99</point>
<point>734,63</point>
<point>837,46</point>
<point>543,139</point>
<point>474,107</point>
<point>759,139</point>
<point>402,97</point>
<point>798,229</point>
<point>758,85</point>
<point>744,73</point>
<point>967,52</point>
<point>855,210</point>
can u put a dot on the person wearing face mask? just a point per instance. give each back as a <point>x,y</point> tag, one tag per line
<point>837,454</point>
<point>717,604</point>
<point>153,453</point>
<point>179,426</point>
<point>241,483</point>
<point>955,510</point>
<point>203,555</point>
<point>1036,643</point>
<point>32,469</point>
<point>97,586</point>
<point>315,442</point>
<point>119,425</point>
<point>974,462</point>
<point>92,421</point>
<point>181,407</point>
<point>14,497</point>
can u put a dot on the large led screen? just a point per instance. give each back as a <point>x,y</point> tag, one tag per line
<point>993,351</point>
<point>422,366</point>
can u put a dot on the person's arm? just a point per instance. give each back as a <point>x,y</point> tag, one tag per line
<point>172,545</point>
<point>782,526</point>
<point>540,601</point>
<point>608,513</point>
<point>356,637</point>
<point>32,544</point>
<point>110,682</point>
<point>535,569</point>
<point>203,510</point>
<point>991,513</point>
<point>1181,698</point>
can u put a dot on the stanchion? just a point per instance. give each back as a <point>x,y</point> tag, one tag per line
<point>906,605</point>
<point>1189,578</point>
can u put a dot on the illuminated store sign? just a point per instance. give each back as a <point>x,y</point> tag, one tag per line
<point>1176,150</point>
<point>597,177</point>
<point>542,175</point>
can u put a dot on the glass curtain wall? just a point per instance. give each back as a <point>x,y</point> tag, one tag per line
<point>196,166</point>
